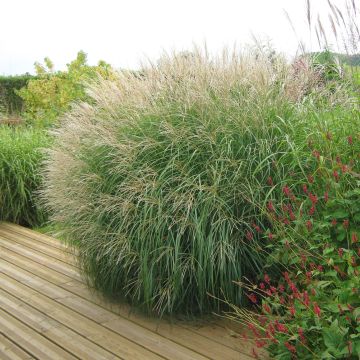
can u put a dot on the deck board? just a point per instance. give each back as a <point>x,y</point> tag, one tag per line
<point>48,311</point>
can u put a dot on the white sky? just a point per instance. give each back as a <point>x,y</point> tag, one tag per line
<point>124,32</point>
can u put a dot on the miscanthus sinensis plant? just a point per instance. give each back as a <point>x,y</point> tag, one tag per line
<point>157,180</point>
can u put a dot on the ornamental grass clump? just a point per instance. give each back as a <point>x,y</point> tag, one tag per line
<point>158,180</point>
<point>20,162</point>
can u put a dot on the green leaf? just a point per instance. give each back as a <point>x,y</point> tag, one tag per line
<point>334,336</point>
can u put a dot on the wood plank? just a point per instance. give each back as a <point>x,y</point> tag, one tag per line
<point>207,347</point>
<point>79,323</point>
<point>45,239</point>
<point>11,351</point>
<point>41,258</point>
<point>40,247</point>
<point>35,344</point>
<point>52,329</point>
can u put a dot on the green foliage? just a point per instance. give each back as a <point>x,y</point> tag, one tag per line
<point>158,186</point>
<point>10,101</point>
<point>20,162</point>
<point>52,93</point>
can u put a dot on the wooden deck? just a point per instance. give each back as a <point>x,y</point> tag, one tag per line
<point>48,312</point>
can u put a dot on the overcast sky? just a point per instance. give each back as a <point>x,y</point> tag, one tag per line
<point>124,32</point>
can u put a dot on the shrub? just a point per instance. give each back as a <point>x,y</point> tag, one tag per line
<point>10,102</point>
<point>157,182</point>
<point>20,162</point>
<point>309,304</point>
<point>52,92</point>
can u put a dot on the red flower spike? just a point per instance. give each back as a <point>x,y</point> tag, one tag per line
<point>290,347</point>
<point>350,140</point>
<point>270,181</point>
<point>341,252</point>
<point>354,238</point>
<point>292,215</point>
<point>249,235</point>
<point>313,292</point>
<point>316,154</point>
<point>312,210</point>
<point>305,189</point>
<point>271,236</point>
<point>309,225</point>
<point>349,347</point>
<point>286,190</point>
<point>326,197</point>
<point>301,334</point>
<point>270,206</point>
<point>333,222</point>
<point>317,309</point>
<point>292,310</point>
<point>313,198</point>
<point>267,278</point>
<point>338,160</point>
<point>262,286</point>
<point>281,288</point>
<point>266,308</point>
<point>252,298</point>
<point>346,224</point>
<point>281,327</point>
<point>320,268</point>
<point>282,300</point>
<point>308,275</point>
<point>310,179</point>
<point>336,175</point>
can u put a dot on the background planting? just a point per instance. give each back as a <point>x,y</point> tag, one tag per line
<point>20,162</point>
